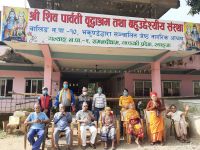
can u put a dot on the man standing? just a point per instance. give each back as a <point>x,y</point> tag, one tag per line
<point>45,102</point>
<point>37,120</point>
<point>65,97</point>
<point>85,117</point>
<point>84,98</point>
<point>99,103</point>
<point>62,122</point>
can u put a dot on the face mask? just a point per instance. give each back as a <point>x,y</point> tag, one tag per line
<point>84,93</point>
<point>99,91</point>
<point>125,93</point>
<point>65,86</point>
<point>44,92</point>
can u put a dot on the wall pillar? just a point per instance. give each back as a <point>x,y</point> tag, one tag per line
<point>48,67</point>
<point>48,70</point>
<point>156,78</point>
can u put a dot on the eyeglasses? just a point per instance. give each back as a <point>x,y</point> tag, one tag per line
<point>85,106</point>
<point>173,108</point>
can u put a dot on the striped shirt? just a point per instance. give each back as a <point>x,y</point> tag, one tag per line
<point>99,101</point>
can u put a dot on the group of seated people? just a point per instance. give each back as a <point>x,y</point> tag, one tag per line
<point>87,120</point>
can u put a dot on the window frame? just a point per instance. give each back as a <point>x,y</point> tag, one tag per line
<point>6,81</point>
<point>193,82</point>
<point>31,86</point>
<point>162,87</point>
<point>143,82</point>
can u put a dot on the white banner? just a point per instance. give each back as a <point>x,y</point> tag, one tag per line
<point>64,27</point>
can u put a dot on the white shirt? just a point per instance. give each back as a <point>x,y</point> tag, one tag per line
<point>99,101</point>
<point>175,116</point>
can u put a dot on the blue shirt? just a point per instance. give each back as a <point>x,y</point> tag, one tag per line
<point>33,116</point>
<point>64,121</point>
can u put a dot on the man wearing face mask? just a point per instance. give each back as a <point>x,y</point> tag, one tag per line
<point>66,98</point>
<point>99,103</point>
<point>84,98</point>
<point>45,101</point>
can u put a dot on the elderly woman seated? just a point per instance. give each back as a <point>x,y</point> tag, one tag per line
<point>108,130</point>
<point>134,124</point>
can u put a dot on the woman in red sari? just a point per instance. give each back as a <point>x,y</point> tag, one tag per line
<point>156,120</point>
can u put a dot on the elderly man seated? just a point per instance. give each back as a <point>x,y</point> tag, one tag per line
<point>37,120</point>
<point>62,121</point>
<point>85,117</point>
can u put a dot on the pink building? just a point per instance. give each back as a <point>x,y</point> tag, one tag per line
<point>135,57</point>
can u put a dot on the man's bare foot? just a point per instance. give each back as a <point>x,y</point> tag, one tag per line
<point>57,147</point>
<point>113,148</point>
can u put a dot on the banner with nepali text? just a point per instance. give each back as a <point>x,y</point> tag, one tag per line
<point>65,27</point>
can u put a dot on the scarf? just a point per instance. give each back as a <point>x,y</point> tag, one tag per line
<point>68,94</point>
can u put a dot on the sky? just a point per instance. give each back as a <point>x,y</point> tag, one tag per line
<point>180,14</point>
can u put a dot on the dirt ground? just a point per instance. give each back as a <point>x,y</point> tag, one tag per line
<point>16,142</point>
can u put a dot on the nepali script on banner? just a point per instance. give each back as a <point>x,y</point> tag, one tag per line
<point>63,27</point>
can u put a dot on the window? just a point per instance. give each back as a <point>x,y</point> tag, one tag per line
<point>34,85</point>
<point>171,88</point>
<point>196,88</point>
<point>142,88</point>
<point>6,86</point>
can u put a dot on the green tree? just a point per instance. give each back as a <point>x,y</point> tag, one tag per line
<point>195,6</point>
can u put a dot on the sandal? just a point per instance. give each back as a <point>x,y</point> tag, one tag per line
<point>182,140</point>
<point>187,141</point>
<point>152,143</point>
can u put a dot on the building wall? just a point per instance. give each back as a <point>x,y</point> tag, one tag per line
<point>115,85</point>
<point>186,88</point>
<point>19,79</point>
